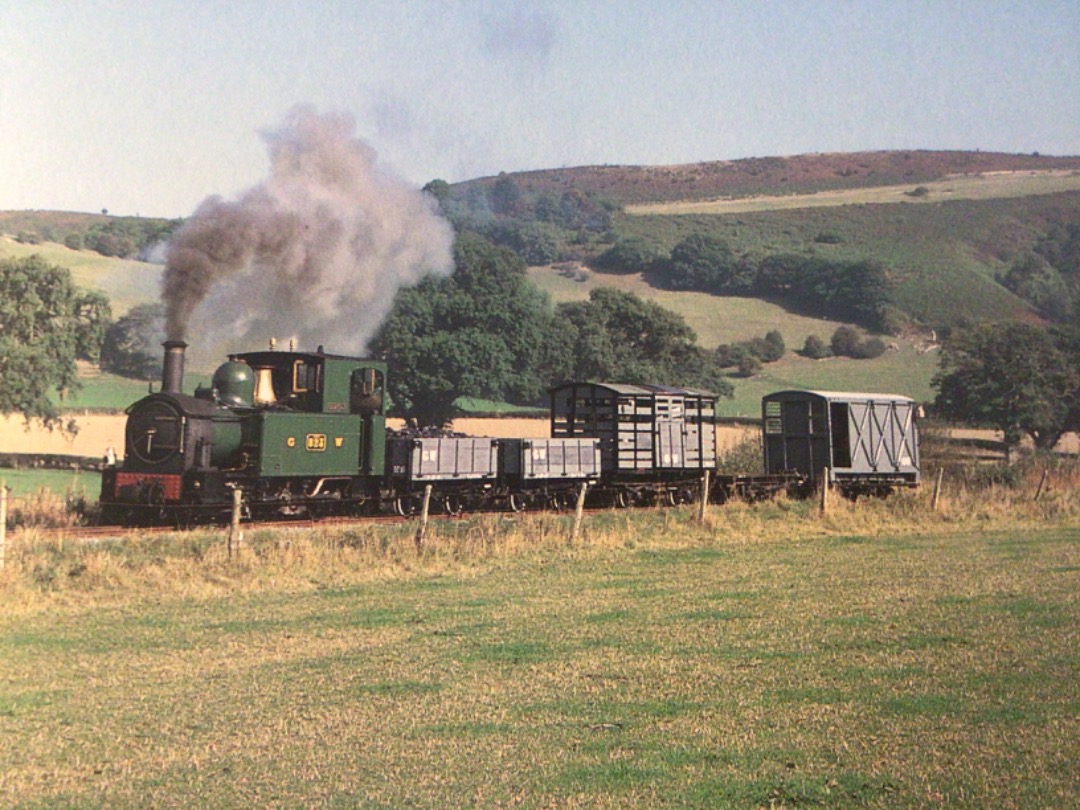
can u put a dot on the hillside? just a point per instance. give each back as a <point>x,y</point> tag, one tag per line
<point>944,258</point>
<point>801,174</point>
<point>946,225</point>
<point>127,282</point>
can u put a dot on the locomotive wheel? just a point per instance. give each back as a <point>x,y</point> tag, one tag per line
<point>155,496</point>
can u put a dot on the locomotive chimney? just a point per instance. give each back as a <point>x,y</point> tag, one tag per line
<point>172,377</point>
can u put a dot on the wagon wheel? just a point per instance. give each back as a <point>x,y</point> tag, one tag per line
<point>624,498</point>
<point>404,506</point>
<point>685,495</point>
<point>453,505</point>
<point>558,501</point>
<point>515,502</point>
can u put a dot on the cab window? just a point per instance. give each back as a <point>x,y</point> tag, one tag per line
<point>366,391</point>
<point>305,377</point>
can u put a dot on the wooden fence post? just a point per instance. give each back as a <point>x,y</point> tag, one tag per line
<point>934,501</point>
<point>3,522</point>
<point>824,490</point>
<point>579,511</point>
<point>1042,484</point>
<point>704,496</point>
<point>424,509</point>
<point>235,537</point>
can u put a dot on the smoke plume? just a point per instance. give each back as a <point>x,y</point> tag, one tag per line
<point>315,252</point>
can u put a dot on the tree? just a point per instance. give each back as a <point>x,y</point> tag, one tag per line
<point>1017,377</point>
<point>705,262</point>
<point>1037,282</point>
<point>91,325</point>
<point>132,345</point>
<point>46,322</point>
<point>619,337</point>
<point>860,292</point>
<point>632,254</point>
<point>475,333</point>
<point>506,197</point>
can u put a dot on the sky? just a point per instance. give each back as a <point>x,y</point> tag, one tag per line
<point>149,106</point>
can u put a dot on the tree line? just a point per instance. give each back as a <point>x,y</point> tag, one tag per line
<point>859,292</point>
<point>119,237</point>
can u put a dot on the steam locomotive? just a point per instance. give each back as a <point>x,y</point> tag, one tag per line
<point>304,434</point>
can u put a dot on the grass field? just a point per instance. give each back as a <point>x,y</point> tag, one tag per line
<point>877,657</point>
<point>714,319</point>
<point>124,281</point>
<point>25,483</point>
<point>108,392</point>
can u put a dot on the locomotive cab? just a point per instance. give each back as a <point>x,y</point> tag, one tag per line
<point>316,382</point>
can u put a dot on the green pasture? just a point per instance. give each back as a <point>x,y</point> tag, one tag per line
<point>680,667</point>
<point>126,282</point>
<point>905,370</point>
<point>108,392</point>
<point>715,319</point>
<point>26,483</point>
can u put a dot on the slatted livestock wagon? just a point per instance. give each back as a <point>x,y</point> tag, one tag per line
<point>655,441</point>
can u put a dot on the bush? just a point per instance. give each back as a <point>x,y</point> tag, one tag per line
<point>632,255</point>
<point>815,348</point>
<point>845,341</point>
<point>869,349</point>
<point>749,365</point>
<point>768,349</point>
<point>774,347</point>
<point>827,238</point>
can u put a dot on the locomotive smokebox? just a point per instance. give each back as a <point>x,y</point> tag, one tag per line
<point>172,376</point>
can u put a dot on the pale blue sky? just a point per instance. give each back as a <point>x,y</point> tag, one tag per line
<point>148,106</point>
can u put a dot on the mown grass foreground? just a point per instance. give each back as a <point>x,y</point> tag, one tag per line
<point>773,657</point>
